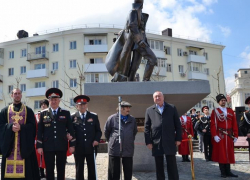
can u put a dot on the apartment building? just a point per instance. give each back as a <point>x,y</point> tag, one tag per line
<point>242,88</point>
<point>57,59</point>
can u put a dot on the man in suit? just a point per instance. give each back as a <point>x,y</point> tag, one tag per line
<point>88,133</point>
<point>194,118</point>
<point>52,135</point>
<point>163,133</point>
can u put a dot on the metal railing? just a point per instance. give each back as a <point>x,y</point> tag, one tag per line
<point>34,56</point>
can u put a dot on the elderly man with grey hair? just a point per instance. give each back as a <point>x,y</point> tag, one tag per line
<point>163,135</point>
<point>129,130</point>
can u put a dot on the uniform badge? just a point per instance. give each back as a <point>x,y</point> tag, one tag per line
<point>47,125</point>
<point>61,116</point>
<point>90,120</point>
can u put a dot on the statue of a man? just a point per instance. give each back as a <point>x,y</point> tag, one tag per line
<point>131,39</point>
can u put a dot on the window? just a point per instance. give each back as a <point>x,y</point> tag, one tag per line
<point>95,41</point>
<point>161,63</point>
<point>169,68</point>
<point>73,45</point>
<point>72,63</point>
<point>206,55</point>
<point>55,84</point>
<point>23,87</point>
<point>11,55</point>
<point>73,83</point>
<point>196,67</point>
<point>23,52</point>
<point>10,88</point>
<point>210,104</point>
<point>72,103</point>
<point>96,77</point>
<point>11,71</point>
<point>192,52</point>
<point>41,50</point>
<point>96,60</point>
<point>247,95</point>
<point>40,66</point>
<point>245,72</point>
<point>55,47</point>
<point>39,84</point>
<point>181,69</point>
<point>198,105</point>
<point>167,50</point>
<point>158,45</point>
<point>179,52</point>
<point>36,104</point>
<point>23,69</point>
<point>55,65</point>
<point>206,71</point>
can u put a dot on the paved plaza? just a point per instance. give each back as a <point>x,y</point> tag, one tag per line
<point>203,170</point>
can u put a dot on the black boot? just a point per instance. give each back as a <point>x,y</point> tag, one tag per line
<point>42,174</point>
<point>183,158</point>
<point>223,170</point>
<point>228,171</point>
<point>187,160</point>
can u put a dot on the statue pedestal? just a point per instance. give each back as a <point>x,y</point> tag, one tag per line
<point>143,160</point>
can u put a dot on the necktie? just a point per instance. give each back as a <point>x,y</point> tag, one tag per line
<point>54,114</point>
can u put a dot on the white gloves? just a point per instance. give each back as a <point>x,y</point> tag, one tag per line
<point>235,139</point>
<point>217,139</point>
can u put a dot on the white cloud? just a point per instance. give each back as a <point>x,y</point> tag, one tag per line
<point>34,16</point>
<point>209,2</point>
<point>226,31</point>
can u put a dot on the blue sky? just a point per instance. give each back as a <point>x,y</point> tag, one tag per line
<point>224,21</point>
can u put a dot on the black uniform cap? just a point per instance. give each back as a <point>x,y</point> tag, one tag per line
<point>247,101</point>
<point>81,99</point>
<point>204,107</point>
<point>220,97</point>
<point>53,93</point>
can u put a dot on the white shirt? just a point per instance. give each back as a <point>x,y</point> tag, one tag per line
<point>54,110</point>
<point>83,115</point>
<point>160,108</point>
<point>184,118</point>
<point>224,110</point>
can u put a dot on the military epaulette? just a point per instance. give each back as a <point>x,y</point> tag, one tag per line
<point>73,113</point>
<point>93,113</point>
<point>45,110</point>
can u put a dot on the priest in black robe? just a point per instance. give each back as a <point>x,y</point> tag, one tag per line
<point>17,137</point>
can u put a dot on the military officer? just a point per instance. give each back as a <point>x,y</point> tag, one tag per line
<point>88,133</point>
<point>245,123</point>
<point>194,118</point>
<point>52,135</point>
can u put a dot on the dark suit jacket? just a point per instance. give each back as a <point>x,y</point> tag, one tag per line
<point>52,132</point>
<point>86,132</point>
<point>162,129</point>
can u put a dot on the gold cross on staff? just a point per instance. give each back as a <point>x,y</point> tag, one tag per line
<point>17,118</point>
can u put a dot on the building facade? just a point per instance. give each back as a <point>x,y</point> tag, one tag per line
<point>68,59</point>
<point>242,88</point>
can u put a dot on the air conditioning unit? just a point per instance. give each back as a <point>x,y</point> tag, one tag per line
<point>204,101</point>
<point>185,53</point>
<point>183,74</point>
<point>53,72</point>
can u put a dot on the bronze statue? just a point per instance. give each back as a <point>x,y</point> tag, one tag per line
<point>131,40</point>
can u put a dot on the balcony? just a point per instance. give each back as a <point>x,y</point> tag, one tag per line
<point>196,75</point>
<point>103,48</point>
<point>89,68</point>
<point>159,71</point>
<point>197,59</point>
<point>37,73</point>
<point>33,92</point>
<point>34,56</point>
<point>159,53</point>
<point>1,56</point>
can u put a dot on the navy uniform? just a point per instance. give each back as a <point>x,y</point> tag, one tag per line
<point>87,130</point>
<point>52,136</point>
<point>204,123</point>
